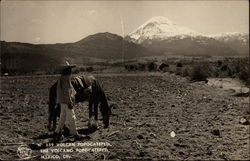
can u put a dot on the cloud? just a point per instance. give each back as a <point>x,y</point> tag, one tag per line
<point>37,39</point>
<point>88,13</point>
<point>35,20</point>
<point>52,14</point>
<point>91,12</point>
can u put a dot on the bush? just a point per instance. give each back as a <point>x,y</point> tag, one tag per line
<point>240,68</point>
<point>179,64</point>
<point>164,67</point>
<point>178,71</point>
<point>198,73</point>
<point>219,63</point>
<point>244,75</point>
<point>131,67</point>
<point>141,66</point>
<point>89,69</point>
<point>185,72</point>
<point>224,67</point>
<point>152,66</point>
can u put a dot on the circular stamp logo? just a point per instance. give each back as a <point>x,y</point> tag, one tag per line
<point>23,151</point>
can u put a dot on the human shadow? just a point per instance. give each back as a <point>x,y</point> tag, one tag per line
<point>87,131</point>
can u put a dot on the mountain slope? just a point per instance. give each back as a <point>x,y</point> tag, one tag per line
<point>237,41</point>
<point>200,46</point>
<point>109,46</point>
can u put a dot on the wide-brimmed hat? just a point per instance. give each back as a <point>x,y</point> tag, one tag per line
<point>66,65</point>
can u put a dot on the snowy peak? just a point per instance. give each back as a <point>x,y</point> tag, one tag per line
<point>160,28</point>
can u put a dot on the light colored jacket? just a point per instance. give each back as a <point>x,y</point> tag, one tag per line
<point>65,90</point>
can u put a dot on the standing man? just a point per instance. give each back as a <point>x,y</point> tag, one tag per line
<point>66,98</point>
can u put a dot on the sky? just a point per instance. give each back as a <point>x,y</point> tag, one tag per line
<point>46,22</point>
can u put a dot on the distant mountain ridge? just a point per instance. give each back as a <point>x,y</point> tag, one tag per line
<point>14,55</point>
<point>236,40</point>
<point>161,34</point>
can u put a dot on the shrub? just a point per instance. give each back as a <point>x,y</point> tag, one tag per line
<point>152,66</point>
<point>185,72</point>
<point>244,74</point>
<point>141,66</point>
<point>198,73</point>
<point>224,67</point>
<point>89,69</point>
<point>164,67</point>
<point>131,67</point>
<point>178,71</point>
<point>179,64</point>
<point>219,63</point>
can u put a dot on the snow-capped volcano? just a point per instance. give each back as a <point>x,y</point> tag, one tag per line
<point>160,28</point>
<point>162,35</point>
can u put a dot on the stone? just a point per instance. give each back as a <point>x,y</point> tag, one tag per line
<point>244,121</point>
<point>140,137</point>
<point>216,132</point>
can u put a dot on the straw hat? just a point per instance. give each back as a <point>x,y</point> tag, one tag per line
<point>66,65</point>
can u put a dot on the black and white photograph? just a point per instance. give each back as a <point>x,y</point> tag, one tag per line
<point>124,80</point>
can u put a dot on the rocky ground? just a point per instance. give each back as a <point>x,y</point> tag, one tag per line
<point>147,107</point>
